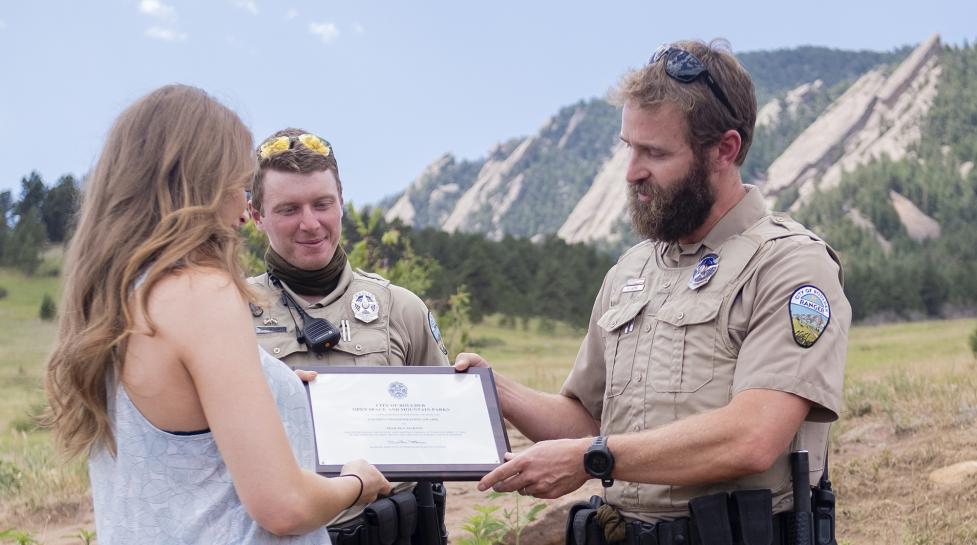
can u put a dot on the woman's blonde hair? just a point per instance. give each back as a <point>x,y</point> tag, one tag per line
<point>152,205</point>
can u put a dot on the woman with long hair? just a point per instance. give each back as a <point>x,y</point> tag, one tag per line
<point>194,435</point>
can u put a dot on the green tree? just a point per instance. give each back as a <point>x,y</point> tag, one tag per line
<point>456,324</point>
<point>376,246</point>
<point>32,193</point>
<point>59,207</point>
<point>255,246</point>
<point>6,209</point>
<point>23,248</point>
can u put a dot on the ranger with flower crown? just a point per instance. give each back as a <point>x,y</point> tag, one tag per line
<point>297,200</point>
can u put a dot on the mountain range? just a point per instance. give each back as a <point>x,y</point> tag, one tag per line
<point>823,113</point>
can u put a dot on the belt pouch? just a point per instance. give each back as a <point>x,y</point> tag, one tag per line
<point>381,520</point>
<point>406,505</point>
<point>350,535</point>
<point>440,494</point>
<point>752,516</point>
<point>641,533</point>
<point>582,527</point>
<point>710,515</point>
<point>675,532</point>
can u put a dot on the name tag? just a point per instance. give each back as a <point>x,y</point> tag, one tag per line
<point>638,287</point>
<point>262,329</point>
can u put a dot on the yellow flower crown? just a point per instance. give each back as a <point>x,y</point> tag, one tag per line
<point>278,144</point>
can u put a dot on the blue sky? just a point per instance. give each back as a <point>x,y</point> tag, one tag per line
<point>392,85</point>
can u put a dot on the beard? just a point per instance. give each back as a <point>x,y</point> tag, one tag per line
<point>671,213</point>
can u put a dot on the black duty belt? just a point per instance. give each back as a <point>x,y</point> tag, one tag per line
<point>741,518</point>
<point>400,519</point>
<point>683,532</point>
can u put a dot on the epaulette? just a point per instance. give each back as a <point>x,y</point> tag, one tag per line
<point>635,248</point>
<point>373,276</point>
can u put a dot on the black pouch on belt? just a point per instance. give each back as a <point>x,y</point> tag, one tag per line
<point>406,505</point>
<point>675,532</point>
<point>382,522</point>
<point>582,526</point>
<point>710,514</point>
<point>440,494</point>
<point>752,516</point>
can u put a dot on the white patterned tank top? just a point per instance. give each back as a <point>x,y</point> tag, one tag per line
<point>165,488</point>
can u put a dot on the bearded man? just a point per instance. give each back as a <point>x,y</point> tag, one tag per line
<point>716,346</point>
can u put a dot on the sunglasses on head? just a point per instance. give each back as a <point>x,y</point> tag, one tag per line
<point>684,67</point>
<point>280,144</point>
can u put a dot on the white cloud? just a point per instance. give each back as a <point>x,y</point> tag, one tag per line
<point>247,5</point>
<point>155,8</point>
<point>166,34</point>
<point>291,13</point>
<point>327,32</point>
<point>358,28</point>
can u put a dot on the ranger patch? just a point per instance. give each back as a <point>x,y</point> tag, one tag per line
<point>436,332</point>
<point>809,315</point>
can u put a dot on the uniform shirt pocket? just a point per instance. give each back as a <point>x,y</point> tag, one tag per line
<point>279,344</point>
<point>622,327</point>
<point>683,348</point>
<point>365,347</point>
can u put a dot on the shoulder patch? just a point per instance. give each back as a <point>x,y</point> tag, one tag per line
<point>436,332</point>
<point>809,315</point>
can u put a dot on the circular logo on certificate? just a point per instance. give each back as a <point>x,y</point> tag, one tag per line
<point>397,390</point>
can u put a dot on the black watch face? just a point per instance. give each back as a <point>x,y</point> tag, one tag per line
<point>599,463</point>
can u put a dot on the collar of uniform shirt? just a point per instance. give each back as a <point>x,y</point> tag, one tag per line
<point>746,212</point>
<point>739,218</point>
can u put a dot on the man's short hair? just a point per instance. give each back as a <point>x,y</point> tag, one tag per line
<point>707,118</point>
<point>297,158</point>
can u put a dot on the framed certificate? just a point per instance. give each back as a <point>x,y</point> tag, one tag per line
<point>412,423</point>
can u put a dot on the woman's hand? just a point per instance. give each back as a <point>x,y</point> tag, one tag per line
<point>374,483</point>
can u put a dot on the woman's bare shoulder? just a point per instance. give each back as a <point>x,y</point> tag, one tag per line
<point>193,294</point>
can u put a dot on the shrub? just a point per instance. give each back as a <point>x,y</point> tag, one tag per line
<point>973,343</point>
<point>10,476</point>
<point>48,308</point>
<point>3,292</point>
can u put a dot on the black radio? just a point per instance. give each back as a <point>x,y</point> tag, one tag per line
<point>318,334</point>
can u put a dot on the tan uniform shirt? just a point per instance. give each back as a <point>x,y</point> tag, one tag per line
<point>658,350</point>
<point>402,333</point>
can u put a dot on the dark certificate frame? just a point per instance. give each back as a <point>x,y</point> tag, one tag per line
<point>427,472</point>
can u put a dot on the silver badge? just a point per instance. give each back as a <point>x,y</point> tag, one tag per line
<point>365,306</point>
<point>704,271</point>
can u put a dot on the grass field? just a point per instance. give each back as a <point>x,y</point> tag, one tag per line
<point>910,408</point>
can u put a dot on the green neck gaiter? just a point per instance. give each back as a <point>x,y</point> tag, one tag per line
<point>320,282</point>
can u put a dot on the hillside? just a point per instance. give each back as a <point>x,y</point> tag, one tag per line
<point>876,158</point>
<point>562,179</point>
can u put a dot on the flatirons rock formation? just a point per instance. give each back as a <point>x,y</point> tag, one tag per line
<point>569,178</point>
<point>879,114</point>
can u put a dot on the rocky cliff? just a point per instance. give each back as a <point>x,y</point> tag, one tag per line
<point>568,178</point>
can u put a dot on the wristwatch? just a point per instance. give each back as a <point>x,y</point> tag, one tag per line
<point>599,462</point>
